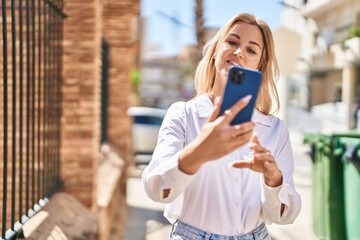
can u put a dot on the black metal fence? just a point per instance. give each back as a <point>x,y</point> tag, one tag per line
<point>30,100</point>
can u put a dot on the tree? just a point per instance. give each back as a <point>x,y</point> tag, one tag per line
<point>200,31</point>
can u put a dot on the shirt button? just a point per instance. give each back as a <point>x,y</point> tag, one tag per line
<point>237,204</point>
<point>236,179</point>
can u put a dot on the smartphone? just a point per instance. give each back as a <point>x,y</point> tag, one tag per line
<point>241,82</point>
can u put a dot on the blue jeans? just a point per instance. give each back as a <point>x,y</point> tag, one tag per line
<point>186,232</point>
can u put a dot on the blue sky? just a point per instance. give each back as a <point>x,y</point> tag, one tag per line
<point>169,37</point>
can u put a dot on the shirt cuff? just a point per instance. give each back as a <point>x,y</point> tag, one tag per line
<point>172,176</point>
<point>275,195</point>
<point>271,194</point>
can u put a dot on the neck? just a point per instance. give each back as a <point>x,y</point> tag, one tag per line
<point>212,96</point>
<point>215,92</point>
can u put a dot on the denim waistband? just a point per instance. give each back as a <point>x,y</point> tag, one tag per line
<point>191,233</point>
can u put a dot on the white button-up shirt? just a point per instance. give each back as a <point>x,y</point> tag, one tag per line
<point>219,198</point>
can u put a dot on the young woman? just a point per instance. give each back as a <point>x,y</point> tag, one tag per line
<point>197,167</point>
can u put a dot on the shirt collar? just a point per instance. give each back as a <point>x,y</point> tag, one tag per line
<point>204,107</point>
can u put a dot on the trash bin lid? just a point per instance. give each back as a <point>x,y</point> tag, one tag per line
<point>146,111</point>
<point>146,115</point>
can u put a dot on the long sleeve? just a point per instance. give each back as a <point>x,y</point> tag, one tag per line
<point>273,198</point>
<point>162,179</point>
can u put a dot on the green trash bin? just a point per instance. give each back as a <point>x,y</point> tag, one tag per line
<point>327,186</point>
<point>316,146</point>
<point>334,203</point>
<point>351,170</point>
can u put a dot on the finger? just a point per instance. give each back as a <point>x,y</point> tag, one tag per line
<point>241,164</point>
<point>255,145</point>
<point>264,156</point>
<point>237,107</point>
<point>216,111</point>
<point>239,141</point>
<point>241,129</point>
<point>254,138</point>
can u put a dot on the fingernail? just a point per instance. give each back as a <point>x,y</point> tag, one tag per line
<point>217,100</point>
<point>247,97</point>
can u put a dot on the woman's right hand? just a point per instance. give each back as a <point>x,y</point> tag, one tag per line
<point>217,137</point>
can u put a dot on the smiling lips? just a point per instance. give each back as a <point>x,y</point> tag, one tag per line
<point>231,62</point>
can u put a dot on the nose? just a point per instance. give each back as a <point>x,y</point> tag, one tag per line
<point>238,52</point>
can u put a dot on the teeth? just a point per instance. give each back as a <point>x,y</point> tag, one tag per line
<point>234,63</point>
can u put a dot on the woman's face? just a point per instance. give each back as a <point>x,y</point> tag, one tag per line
<point>243,46</point>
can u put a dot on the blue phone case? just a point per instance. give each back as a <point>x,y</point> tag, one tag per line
<point>241,82</point>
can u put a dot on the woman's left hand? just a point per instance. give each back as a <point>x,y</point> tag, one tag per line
<point>263,162</point>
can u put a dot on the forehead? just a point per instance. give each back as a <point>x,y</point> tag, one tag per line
<point>247,32</point>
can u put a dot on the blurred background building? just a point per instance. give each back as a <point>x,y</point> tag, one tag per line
<point>326,78</point>
<point>318,52</point>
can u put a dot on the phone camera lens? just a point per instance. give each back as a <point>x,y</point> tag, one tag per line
<point>239,76</point>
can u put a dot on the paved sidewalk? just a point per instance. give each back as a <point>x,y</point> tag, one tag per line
<point>146,221</point>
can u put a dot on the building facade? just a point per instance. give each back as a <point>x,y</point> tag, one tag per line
<point>327,78</point>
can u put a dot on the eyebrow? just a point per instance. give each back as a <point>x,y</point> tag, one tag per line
<point>251,42</point>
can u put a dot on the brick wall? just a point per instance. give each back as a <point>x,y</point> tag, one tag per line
<point>86,23</point>
<point>120,21</point>
<point>115,21</point>
<point>80,121</point>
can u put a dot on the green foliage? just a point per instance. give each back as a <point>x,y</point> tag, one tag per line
<point>353,32</point>
<point>135,77</point>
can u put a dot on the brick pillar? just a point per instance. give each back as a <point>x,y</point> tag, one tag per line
<point>80,140</point>
<point>120,28</point>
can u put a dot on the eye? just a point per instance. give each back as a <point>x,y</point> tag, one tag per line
<point>232,43</point>
<point>251,51</point>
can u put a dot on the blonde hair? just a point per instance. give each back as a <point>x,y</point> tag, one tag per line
<point>205,71</point>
